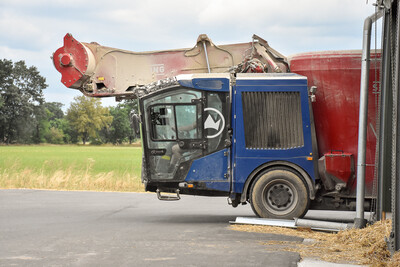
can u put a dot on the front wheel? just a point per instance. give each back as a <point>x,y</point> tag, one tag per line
<point>279,193</point>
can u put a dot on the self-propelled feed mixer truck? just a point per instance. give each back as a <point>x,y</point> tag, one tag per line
<point>239,120</point>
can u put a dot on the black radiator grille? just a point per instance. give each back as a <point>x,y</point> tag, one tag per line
<point>272,120</point>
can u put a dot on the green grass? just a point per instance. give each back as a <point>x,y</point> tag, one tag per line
<point>104,168</point>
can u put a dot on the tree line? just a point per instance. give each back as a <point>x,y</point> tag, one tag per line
<point>26,118</point>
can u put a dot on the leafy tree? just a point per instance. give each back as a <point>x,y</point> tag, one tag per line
<point>42,125</point>
<point>56,110</point>
<point>55,136</point>
<point>20,102</point>
<point>70,135</point>
<point>57,130</point>
<point>120,127</point>
<point>87,117</point>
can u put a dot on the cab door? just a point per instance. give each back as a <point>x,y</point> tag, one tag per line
<point>212,170</point>
<point>186,137</point>
<point>173,133</point>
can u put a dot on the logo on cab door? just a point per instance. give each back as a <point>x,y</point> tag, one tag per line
<point>215,122</point>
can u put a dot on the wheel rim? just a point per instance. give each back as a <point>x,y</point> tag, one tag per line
<point>280,197</point>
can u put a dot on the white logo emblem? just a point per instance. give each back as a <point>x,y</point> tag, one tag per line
<point>210,123</point>
<point>157,69</point>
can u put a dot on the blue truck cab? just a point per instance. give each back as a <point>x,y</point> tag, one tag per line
<point>249,137</point>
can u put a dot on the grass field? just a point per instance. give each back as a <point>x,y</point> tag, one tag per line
<point>101,168</point>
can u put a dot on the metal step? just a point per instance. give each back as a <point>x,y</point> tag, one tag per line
<point>168,197</point>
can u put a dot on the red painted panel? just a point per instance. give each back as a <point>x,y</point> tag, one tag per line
<point>337,75</point>
<point>71,60</point>
<point>340,165</point>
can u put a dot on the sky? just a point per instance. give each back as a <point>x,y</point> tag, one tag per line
<point>32,30</point>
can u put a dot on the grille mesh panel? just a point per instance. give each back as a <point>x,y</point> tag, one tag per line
<point>272,120</point>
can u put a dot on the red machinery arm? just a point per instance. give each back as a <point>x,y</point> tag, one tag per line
<point>101,71</point>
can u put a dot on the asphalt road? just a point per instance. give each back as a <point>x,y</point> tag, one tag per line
<point>60,228</point>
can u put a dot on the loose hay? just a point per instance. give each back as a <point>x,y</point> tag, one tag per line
<point>358,246</point>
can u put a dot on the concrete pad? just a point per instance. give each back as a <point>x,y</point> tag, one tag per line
<point>309,262</point>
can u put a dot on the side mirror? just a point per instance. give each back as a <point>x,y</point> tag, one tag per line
<point>135,122</point>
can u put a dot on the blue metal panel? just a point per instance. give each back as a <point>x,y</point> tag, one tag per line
<point>207,84</point>
<point>247,160</point>
<point>274,82</point>
<point>218,185</point>
<point>211,169</point>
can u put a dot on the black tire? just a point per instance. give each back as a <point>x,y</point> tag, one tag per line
<point>279,193</point>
